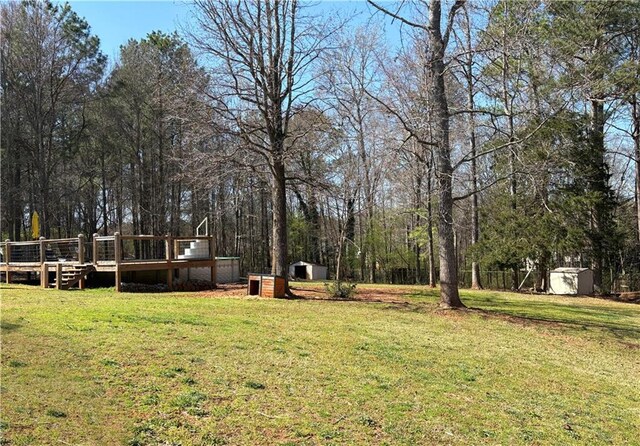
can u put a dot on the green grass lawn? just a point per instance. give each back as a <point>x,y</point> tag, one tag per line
<point>99,368</point>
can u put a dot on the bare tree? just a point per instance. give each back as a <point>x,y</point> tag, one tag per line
<point>469,77</point>
<point>435,66</point>
<point>260,53</point>
<point>349,78</point>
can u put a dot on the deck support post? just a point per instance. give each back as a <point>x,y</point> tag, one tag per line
<point>58,276</point>
<point>44,275</point>
<point>118,279</point>
<point>168,248</point>
<point>7,259</point>
<point>117,256</point>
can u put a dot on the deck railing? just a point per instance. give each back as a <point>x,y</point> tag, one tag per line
<point>142,248</point>
<point>199,247</point>
<point>106,250</point>
<point>103,249</point>
<point>43,250</point>
<point>64,250</point>
<point>20,252</point>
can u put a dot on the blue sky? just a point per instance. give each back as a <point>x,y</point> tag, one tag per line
<point>115,22</point>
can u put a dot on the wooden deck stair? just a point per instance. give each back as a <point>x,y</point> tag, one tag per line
<point>72,275</point>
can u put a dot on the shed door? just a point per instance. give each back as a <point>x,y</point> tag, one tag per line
<point>300,271</point>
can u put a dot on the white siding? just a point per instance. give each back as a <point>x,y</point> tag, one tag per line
<point>318,272</point>
<point>571,281</point>
<point>227,271</point>
<point>314,272</point>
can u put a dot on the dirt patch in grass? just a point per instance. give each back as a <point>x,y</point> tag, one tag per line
<point>368,293</point>
<point>224,290</point>
<point>371,293</point>
<point>384,294</point>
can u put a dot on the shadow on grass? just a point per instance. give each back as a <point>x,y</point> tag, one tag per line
<point>579,316</point>
<point>617,321</point>
<point>8,326</point>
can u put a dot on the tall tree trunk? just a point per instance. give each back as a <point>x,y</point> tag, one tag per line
<point>476,282</point>
<point>432,259</point>
<point>279,259</point>
<point>369,199</point>
<point>103,175</point>
<point>350,234</point>
<point>264,229</point>
<point>449,297</point>
<point>599,185</point>
<point>418,222</point>
<point>635,107</point>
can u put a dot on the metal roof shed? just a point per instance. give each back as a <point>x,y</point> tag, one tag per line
<point>307,271</point>
<point>571,281</point>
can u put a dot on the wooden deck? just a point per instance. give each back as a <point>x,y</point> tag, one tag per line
<point>111,254</point>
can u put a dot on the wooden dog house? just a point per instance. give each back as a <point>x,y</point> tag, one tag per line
<point>265,285</point>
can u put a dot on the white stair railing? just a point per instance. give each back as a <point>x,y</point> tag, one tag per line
<point>204,222</point>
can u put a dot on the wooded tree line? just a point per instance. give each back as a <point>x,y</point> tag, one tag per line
<point>489,136</point>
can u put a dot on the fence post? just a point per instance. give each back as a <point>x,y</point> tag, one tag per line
<point>81,241</point>
<point>95,248</point>
<point>7,258</point>
<point>116,254</point>
<point>43,250</point>
<point>168,248</point>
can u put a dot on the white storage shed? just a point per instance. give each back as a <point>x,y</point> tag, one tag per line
<point>571,281</point>
<point>307,271</point>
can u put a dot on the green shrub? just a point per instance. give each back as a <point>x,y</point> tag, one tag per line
<point>340,289</point>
